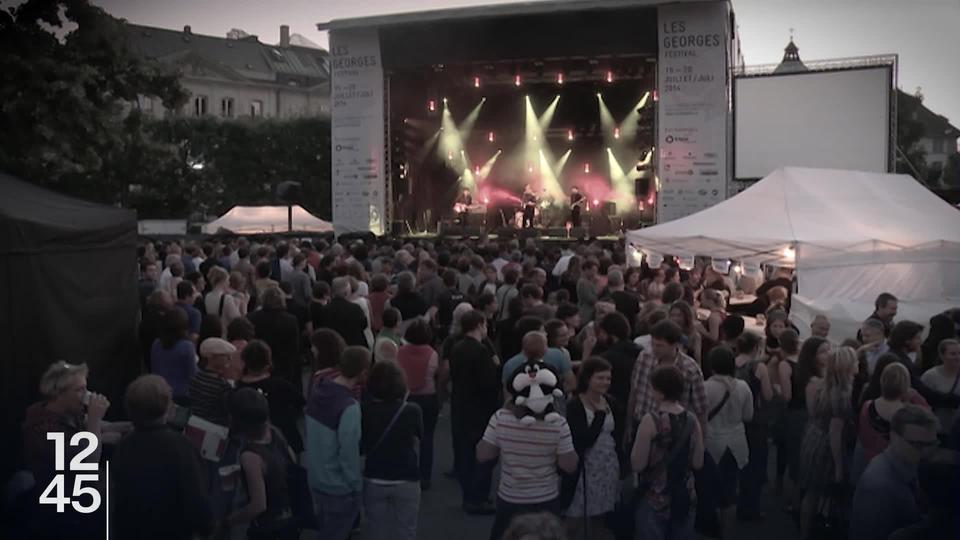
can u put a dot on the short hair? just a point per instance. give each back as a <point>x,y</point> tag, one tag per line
<point>257,356</point>
<point>672,292</point>
<point>531,291</point>
<point>942,348</point>
<point>238,281</point>
<point>264,269</point>
<point>216,276</point>
<point>902,333</point>
<point>418,333</point>
<point>243,252</point>
<point>57,375</point>
<point>668,331</point>
<point>485,300</point>
<point>391,317</point>
<point>273,298</point>
<point>616,324</point>
<point>174,327</point>
<point>185,289</point>
<point>299,258</point>
<point>566,310</point>
<point>210,326</point>
<point>732,327</point>
<point>712,297</point>
<point>330,345</point>
<point>249,411</point>
<point>588,369</point>
<point>406,282</point>
<point>589,263</point>
<point>561,296</point>
<point>528,324</point>
<point>510,275</point>
<point>354,361</point>
<point>894,381</point>
<point>241,329</point>
<point>874,323</point>
<point>747,343</point>
<point>386,382</point>
<point>912,415</point>
<point>552,327</point>
<point>533,341</point>
<point>379,283</point>
<point>615,278</point>
<point>147,400</point>
<point>668,380</point>
<point>722,361</point>
<point>321,289</point>
<point>341,287</point>
<point>884,299</point>
<point>449,277</point>
<point>790,341</point>
<point>471,320</point>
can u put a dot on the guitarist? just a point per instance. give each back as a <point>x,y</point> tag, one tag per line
<point>529,206</point>
<point>462,206</point>
<point>577,200</point>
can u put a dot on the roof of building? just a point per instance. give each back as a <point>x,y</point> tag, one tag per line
<point>247,57</point>
<point>791,62</point>
<point>934,125</point>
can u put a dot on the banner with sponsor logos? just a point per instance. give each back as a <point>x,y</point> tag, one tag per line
<point>693,108</point>
<point>357,137</point>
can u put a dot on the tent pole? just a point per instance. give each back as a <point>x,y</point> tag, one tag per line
<point>289,218</point>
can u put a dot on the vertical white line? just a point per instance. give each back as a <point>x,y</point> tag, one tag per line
<point>108,500</point>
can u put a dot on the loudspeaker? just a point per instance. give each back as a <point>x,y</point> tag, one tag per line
<point>505,232</point>
<point>529,233</point>
<point>397,228</point>
<point>641,187</point>
<point>578,232</point>
<point>556,232</point>
<point>609,208</point>
<point>601,226</point>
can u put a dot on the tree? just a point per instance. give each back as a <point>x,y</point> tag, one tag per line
<point>911,158</point>
<point>63,121</point>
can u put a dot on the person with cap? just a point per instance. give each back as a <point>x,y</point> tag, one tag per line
<point>171,488</point>
<point>209,387</point>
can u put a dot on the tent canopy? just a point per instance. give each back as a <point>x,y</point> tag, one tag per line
<point>850,235</point>
<point>265,220</point>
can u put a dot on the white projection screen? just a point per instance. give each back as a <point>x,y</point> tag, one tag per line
<point>830,119</point>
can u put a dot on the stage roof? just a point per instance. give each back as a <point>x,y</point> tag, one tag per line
<point>495,10</point>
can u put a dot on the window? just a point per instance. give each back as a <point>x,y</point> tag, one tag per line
<point>256,108</point>
<point>938,146</point>
<point>200,106</point>
<point>226,107</point>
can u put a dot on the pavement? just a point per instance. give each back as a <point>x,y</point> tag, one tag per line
<point>441,517</point>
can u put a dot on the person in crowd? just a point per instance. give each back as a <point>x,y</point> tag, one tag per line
<point>945,378</point>
<point>285,400</point>
<point>534,347</point>
<point>530,455</point>
<point>264,281</point>
<point>379,295</point>
<point>186,299</point>
<point>533,305</point>
<point>558,337</point>
<point>730,404</point>
<point>171,486</point>
<point>358,291</point>
<point>475,397</point>
<point>490,282</point>
<point>712,300</point>
<point>176,277</point>
<point>173,356</point>
<point>731,329</point>
<point>447,301</point>
<point>631,279</point>
<point>613,336</point>
<point>751,369</point>
<point>824,453</point>
<point>627,303</point>
<point>149,281</point>
<point>667,449</point>
<point>873,344</point>
<point>344,316</point>
<point>508,329</point>
<point>239,333</point>
<point>794,372</point>
<point>326,347</point>
<point>885,311</point>
<point>508,291</point>
<point>420,364</point>
<point>681,313</point>
<point>173,256</point>
<point>333,430</point>
<point>68,408</point>
<point>885,498</point>
<point>596,424</point>
<point>158,304</point>
<point>246,269</point>
<point>587,289</point>
<point>219,301</point>
<point>486,303</point>
<point>538,526</point>
<point>408,300</point>
<point>905,341</point>
<point>300,281</point>
<point>281,331</point>
<point>209,387</point>
<point>392,427</point>
<point>570,277</point>
<point>210,326</point>
<point>389,331</point>
<point>237,288</point>
<point>820,326</point>
<point>297,309</point>
<point>431,284</point>
<point>665,351</point>
<point>941,328</point>
<point>776,323</point>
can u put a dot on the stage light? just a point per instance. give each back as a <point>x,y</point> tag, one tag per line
<point>559,78</point>
<point>516,80</point>
<point>490,137</point>
<point>476,82</point>
<point>476,170</point>
<point>616,133</point>
<point>650,200</point>
<point>599,95</point>
<point>432,105</point>
<point>609,76</point>
<point>641,206</point>
<point>569,134</point>
<point>529,168</point>
<point>586,168</point>
<point>596,202</point>
<point>444,101</point>
<point>486,200</point>
<point>450,156</point>
<point>789,253</point>
<point>656,96</point>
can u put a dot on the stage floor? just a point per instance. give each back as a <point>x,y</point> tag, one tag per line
<point>492,236</point>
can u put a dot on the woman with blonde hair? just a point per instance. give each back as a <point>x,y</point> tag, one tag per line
<point>237,288</point>
<point>220,301</point>
<point>824,452</point>
<point>712,300</point>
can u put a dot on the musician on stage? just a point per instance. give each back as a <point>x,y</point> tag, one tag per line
<point>529,206</point>
<point>462,206</point>
<point>577,200</point>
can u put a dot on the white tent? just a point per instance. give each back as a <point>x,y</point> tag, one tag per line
<point>266,219</point>
<point>850,235</point>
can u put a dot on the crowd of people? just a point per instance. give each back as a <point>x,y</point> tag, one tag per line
<point>292,385</point>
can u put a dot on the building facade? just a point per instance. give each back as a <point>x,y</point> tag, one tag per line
<point>236,77</point>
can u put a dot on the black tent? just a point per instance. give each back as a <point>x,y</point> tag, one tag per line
<point>68,291</point>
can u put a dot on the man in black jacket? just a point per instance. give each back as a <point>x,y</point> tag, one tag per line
<point>157,474</point>
<point>613,337</point>
<point>343,315</point>
<point>281,331</point>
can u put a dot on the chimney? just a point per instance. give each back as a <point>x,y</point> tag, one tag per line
<point>186,29</point>
<point>284,35</point>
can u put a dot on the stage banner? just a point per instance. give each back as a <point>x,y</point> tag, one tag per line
<point>357,132</point>
<point>693,108</point>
